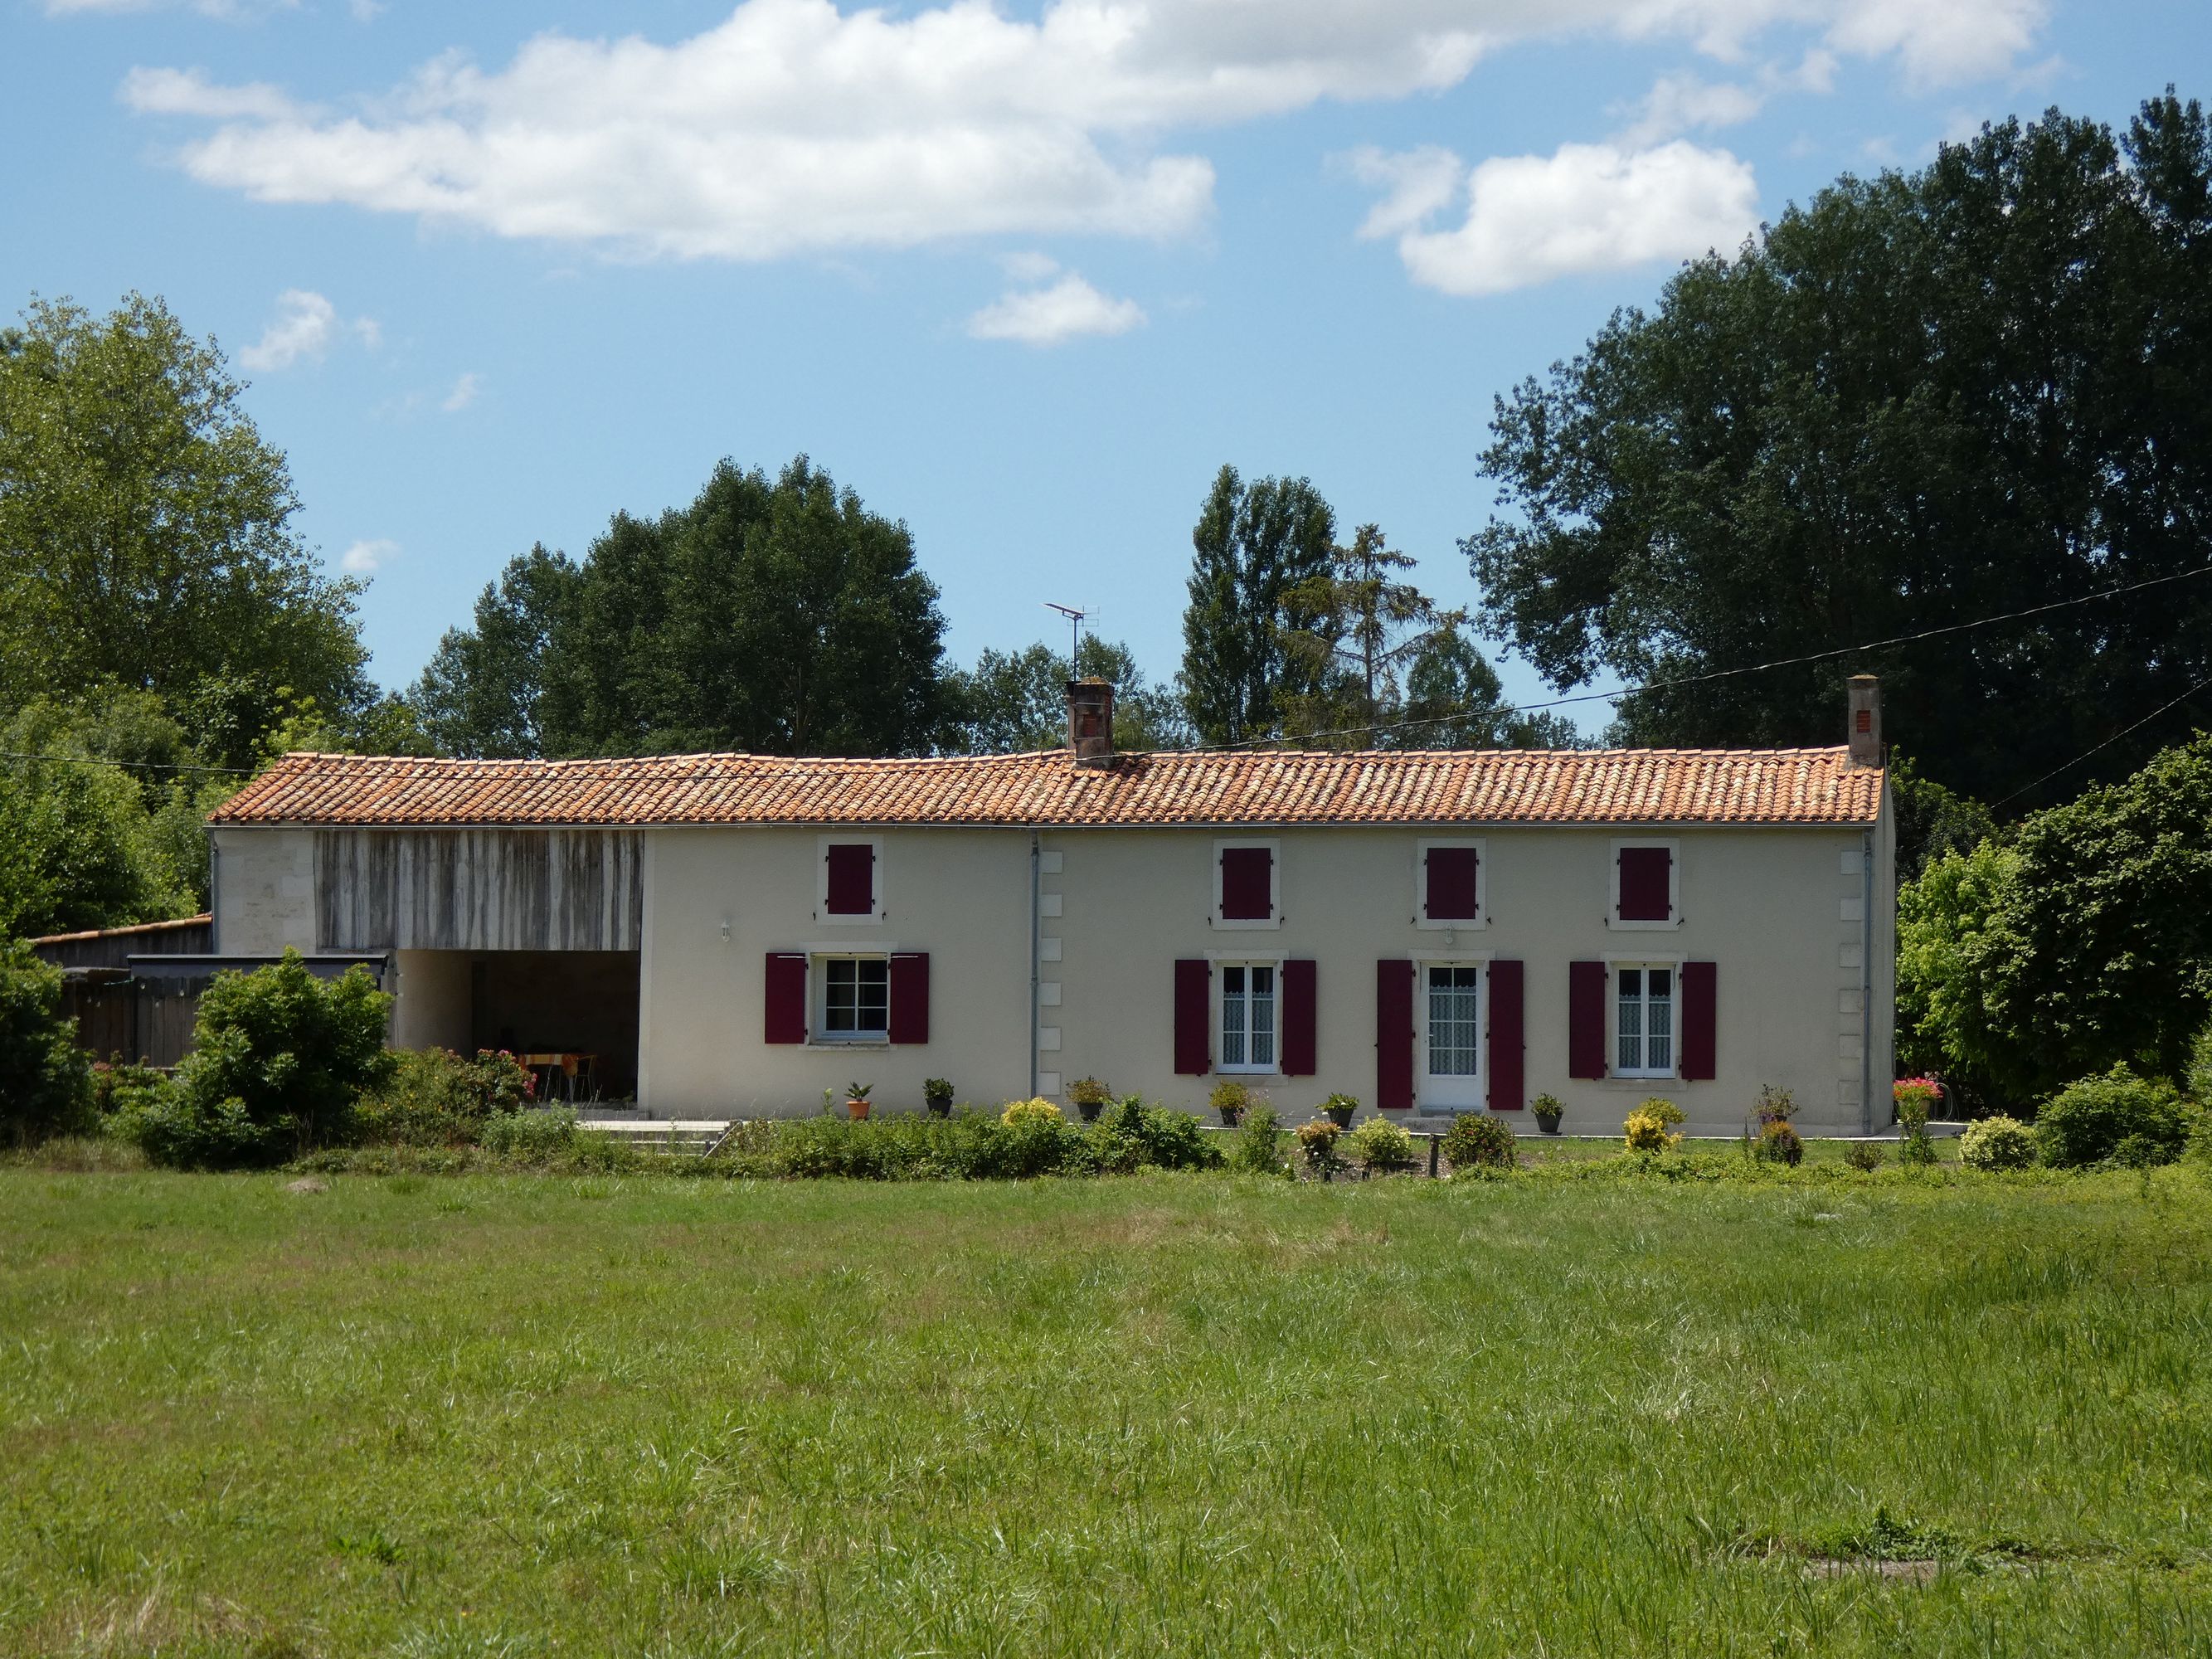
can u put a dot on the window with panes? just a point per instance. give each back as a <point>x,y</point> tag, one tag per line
<point>856,999</point>
<point>1643,1020</point>
<point>1249,1023</point>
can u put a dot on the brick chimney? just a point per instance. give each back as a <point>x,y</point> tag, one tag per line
<point>1090,721</point>
<point>1865,725</point>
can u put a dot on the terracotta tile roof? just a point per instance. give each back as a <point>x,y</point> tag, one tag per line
<point>1444,787</point>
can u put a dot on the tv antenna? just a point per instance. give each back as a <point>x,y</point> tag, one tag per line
<point>1074,631</point>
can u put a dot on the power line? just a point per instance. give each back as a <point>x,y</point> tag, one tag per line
<point>2107,743</point>
<point>130,766</point>
<point>1734,673</point>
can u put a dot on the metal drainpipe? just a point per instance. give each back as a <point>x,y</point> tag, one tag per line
<point>215,895</point>
<point>1866,988</point>
<point>1036,933</point>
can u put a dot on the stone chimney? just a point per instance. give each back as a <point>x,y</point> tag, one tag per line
<point>1865,727</point>
<point>1090,721</point>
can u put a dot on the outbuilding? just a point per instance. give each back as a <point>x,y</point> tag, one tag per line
<point>1432,932</point>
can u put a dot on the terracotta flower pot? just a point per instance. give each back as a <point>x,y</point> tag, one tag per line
<point>859,1108</point>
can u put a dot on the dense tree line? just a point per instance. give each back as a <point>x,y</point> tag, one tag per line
<point>1921,400</point>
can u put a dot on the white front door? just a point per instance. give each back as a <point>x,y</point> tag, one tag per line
<point>1452,1035</point>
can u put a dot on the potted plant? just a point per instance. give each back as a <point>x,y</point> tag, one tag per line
<point>1232,1100</point>
<point>1090,1096</point>
<point>1340,1108</point>
<point>1547,1107</point>
<point>856,1099</point>
<point>936,1095</point>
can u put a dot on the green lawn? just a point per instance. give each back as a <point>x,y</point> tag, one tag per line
<point>1204,1415</point>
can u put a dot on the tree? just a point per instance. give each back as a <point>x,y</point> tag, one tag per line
<point>1013,701</point>
<point>1920,400</point>
<point>146,538</point>
<point>2080,939</point>
<point>1454,699</point>
<point>1370,624</point>
<point>779,616</point>
<point>46,1086</point>
<point>1257,552</point>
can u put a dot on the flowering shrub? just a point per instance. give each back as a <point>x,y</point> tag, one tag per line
<point>1317,1140</point>
<point>1646,1131</point>
<point>1997,1143</point>
<point>1916,1098</point>
<point>1478,1141</point>
<point>1779,1142</point>
<point>1036,1110</point>
<point>1383,1145</point>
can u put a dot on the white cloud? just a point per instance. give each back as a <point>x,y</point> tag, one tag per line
<point>463,392</point>
<point>1029,266</point>
<point>188,92</point>
<point>1587,207</point>
<point>1683,103</point>
<point>1417,184</point>
<point>792,127</point>
<point>1046,316</point>
<point>367,558</point>
<point>304,325</point>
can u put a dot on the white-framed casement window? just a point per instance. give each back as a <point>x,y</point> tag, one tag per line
<point>1647,886</point>
<point>848,880</point>
<point>1647,1020</point>
<point>1248,884</point>
<point>1451,880</point>
<point>1451,1015</point>
<point>1250,1013</point>
<point>852,998</point>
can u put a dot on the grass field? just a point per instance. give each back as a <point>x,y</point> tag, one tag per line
<point>646,1416</point>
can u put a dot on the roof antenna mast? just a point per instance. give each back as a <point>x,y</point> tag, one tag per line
<point>1074,633</point>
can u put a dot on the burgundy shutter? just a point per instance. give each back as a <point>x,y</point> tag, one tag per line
<point>1646,883</point>
<point>1507,1084</point>
<point>1449,895</point>
<point>1247,883</point>
<point>787,998</point>
<point>1299,1007</point>
<point>1585,1019</point>
<point>1393,1033</point>
<point>1194,1048</point>
<point>852,878</point>
<point>1700,1039</point>
<point>910,997</point>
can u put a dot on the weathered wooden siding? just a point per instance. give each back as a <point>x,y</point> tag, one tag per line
<point>478,889</point>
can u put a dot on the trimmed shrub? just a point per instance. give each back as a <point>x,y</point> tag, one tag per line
<point>1036,1110</point>
<point>1151,1137</point>
<point>1477,1140</point>
<point>1997,1143</point>
<point>280,1058</point>
<point>2087,1121</point>
<point>1778,1142</point>
<point>435,1098</point>
<point>1259,1141</point>
<point>1383,1145</point>
<point>1650,1126</point>
<point>45,1081</point>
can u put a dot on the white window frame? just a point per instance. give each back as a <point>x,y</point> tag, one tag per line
<point>1644,1074</point>
<point>1219,999</point>
<point>817,1001</point>
<point>1274,887</point>
<point>1481,850</point>
<point>1612,918</point>
<point>1423,1096</point>
<point>875,916</point>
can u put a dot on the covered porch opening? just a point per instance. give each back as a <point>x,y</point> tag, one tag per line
<point>571,1015</point>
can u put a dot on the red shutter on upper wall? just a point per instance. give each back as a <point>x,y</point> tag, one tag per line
<point>1508,1083</point>
<point>1393,1033</point>
<point>786,1001</point>
<point>1647,884</point>
<point>1300,1007</point>
<point>909,997</point>
<point>1585,1019</point>
<point>852,878</point>
<point>1194,1047</point>
<point>1248,883</point>
<point>1700,1022</point>
<point>1448,895</point>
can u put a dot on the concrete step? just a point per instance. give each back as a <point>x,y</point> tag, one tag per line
<point>691,1136</point>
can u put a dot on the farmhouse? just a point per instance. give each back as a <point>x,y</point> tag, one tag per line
<point>1430,932</point>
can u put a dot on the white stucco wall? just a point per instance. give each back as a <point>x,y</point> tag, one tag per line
<point>961,895</point>
<point>264,892</point>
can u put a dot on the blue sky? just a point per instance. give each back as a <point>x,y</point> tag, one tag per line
<point>1023,275</point>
